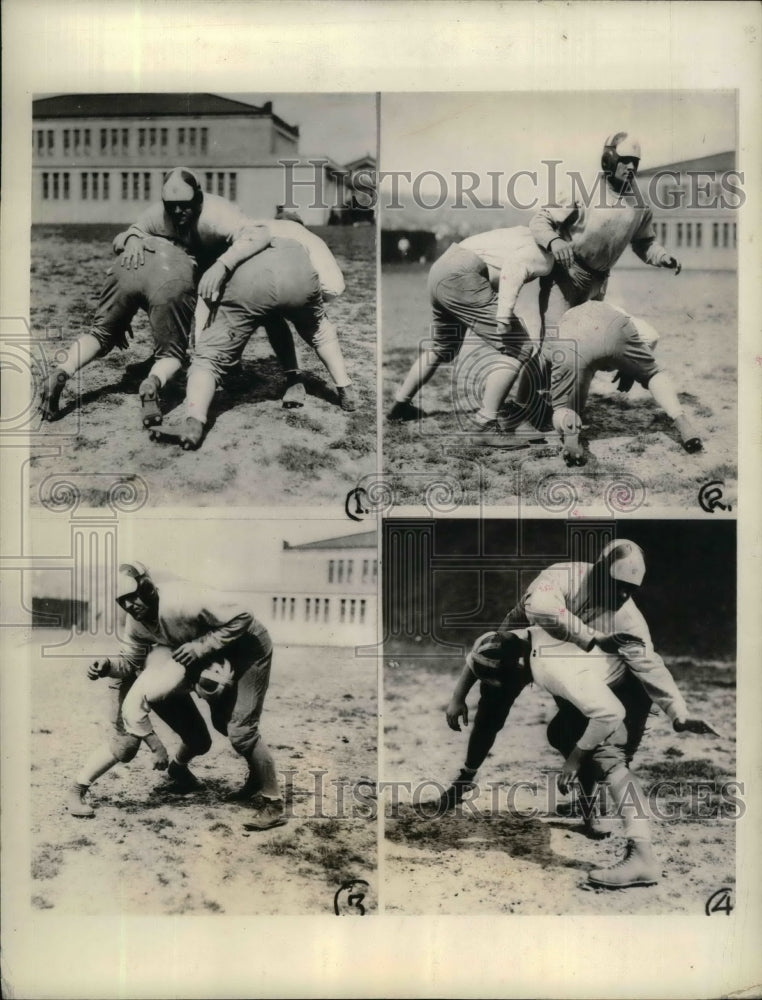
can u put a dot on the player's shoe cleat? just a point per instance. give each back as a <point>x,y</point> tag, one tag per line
<point>266,814</point>
<point>149,391</point>
<point>637,867</point>
<point>52,388</point>
<point>192,434</point>
<point>572,450</point>
<point>522,432</point>
<point>181,780</point>
<point>689,437</point>
<point>247,791</point>
<point>295,395</point>
<point>76,804</point>
<point>452,797</point>
<point>489,436</point>
<point>404,410</point>
<point>347,397</point>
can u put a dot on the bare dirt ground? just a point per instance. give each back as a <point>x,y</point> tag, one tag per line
<point>146,852</point>
<point>500,861</point>
<point>628,436</point>
<point>255,451</point>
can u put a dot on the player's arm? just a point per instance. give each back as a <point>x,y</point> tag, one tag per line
<point>516,271</point>
<point>133,652</point>
<point>131,243</point>
<point>457,708</point>
<point>546,605</point>
<point>225,624</point>
<point>549,227</point>
<point>645,245</point>
<point>325,264</point>
<point>244,237</point>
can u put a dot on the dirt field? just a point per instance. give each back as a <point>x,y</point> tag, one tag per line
<point>255,452</point>
<point>696,316</point>
<point>502,862</point>
<point>149,853</point>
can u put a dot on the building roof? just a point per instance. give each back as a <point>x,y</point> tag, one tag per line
<point>363,540</point>
<point>366,162</point>
<point>151,106</point>
<point>714,161</point>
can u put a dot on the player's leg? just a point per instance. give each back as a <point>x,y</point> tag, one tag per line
<point>119,300</point>
<point>569,386</point>
<point>446,332</point>
<point>495,703</point>
<point>181,714</point>
<point>246,739</point>
<point>171,303</point>
<point>282,342</point>
<point>120,747</point>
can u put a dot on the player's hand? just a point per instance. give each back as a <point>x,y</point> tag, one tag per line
<point>188,654</point>
<point>697,726</point>
<point>613,642</point>
<point>503,327</point>
<point>570,769</point>
<point>159,751</point>
<point>98,668</point>
<point>673,264</point>
<point>212,281</point>
<point>563,252</point>
<point>454,712</point>
<point>623,382</point>
<point>133,254</point>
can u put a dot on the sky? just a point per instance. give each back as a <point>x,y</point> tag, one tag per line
<point>515,131</point>
<point>342,126</point>
<point>228,554</point>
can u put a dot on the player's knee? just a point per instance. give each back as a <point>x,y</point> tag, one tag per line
<point>124,747</point>
<point>325,334</point>
<point>243,739</point>
<point>207,362</point>
<point>607,759</point>
<point>199,744</point>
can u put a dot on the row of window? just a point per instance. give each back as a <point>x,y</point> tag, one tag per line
<point>152,141</point>
<point>691,234</point>
<point>342,570</point>
<point>351,610</point>
<point>135,185</point>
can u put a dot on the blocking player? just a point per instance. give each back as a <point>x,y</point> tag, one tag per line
<point>474,285</point>
<point>281,283</point>
<point>197,627</point>
<point>597,337</point>
<point>589,645</point>
<point>586,237</point>
<point>188,239</point>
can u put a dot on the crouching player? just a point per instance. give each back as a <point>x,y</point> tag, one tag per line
<point>280,283</point>
<point>596,658</point>
<point>598,337</point>
<point>197,627</point>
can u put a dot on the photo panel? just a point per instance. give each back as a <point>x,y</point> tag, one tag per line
<point>558,272</point>
<point>203,285</point>
<point>559,717</point>
<point>203,717</point>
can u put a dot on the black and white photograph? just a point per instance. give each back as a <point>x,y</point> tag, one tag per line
<point>203,280</point>
<point>559,716</point>
<point>559,291</point>
<point>203,729</point>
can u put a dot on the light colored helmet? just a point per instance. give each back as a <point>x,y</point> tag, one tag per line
<point>133,580</point>
<point>625,561</point>
<point>182,185</point>
<point>617,146</point>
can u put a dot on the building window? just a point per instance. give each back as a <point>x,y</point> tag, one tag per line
<point>125,141</point>
<point>45,186</point>
<point>350,565</point>
<point>733,230</point>
<point>66,142</point>
<point>209,181</point>
<point>51,141</point>
<point>326,601</point>
<point>106,187</point>
<point>362,611</point>
<point>181,141</point>
<point>375,570</point>
<point>726,234</point>
<point>152,140</point>
<point>55,187</point>
<point>147,186</point>
<point>83,186</point>
<point>104,139</point>
<point>77,135</point>
<point>352,604</point>
<point>141,140</point>
<point>340,570</point>
<point>40,141</point>
<point>125,185</point>
<point>66,186</point>
<point>275,608</point>
<point>698,234</point>
<point>86,140</point>
<point>330,570</point>
<point>343,611</point>
<point>679,239</point>
<point>689,234</point>
<point>95,186</point>
<point>220,183</point>
<point>232,186</point>
<point>192,140</point>
<point>164,139</point>
<point>365,567</point>
<point>292,609</point>
<point>135,186</point>
<point>715,234</point>
<point>204,139</point>
<point>306,609</point>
